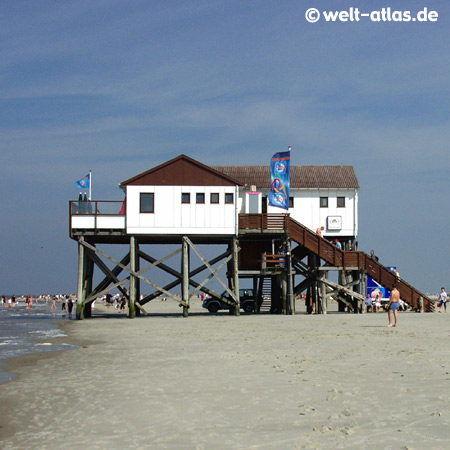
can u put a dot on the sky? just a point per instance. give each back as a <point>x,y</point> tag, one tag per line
<point>118,87</point>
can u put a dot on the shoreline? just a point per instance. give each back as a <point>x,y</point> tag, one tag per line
<point>267,381</point>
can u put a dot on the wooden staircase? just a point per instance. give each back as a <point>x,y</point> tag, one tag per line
<point>264,294</point>
<point>328,252</point>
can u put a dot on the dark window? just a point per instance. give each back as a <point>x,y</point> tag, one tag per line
<point>291,202</point>
<point>341,202</point>
<point>264,205</point>
<point>147,203</point>
<point>185,197</point>
<point>200,197</point>
<point>324,202</point>
<point>229,199</point>
<point>214,198</point>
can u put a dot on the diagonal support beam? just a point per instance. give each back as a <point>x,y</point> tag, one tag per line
<point>178,275</point>
<point>213,274</point>
<point>230,292</point>
<point>139,273</point>
<point>116,271</point>
<point>109,274</point>
<point>338,288</point>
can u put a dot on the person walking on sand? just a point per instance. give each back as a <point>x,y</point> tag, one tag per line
<point>70,307</point>
<point>442,300</point>
<point>393,305</point>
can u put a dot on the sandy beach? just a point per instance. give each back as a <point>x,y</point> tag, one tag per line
<point>248,382</point>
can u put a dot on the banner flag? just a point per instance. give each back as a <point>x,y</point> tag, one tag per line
<point>84,183</point>
<point>280,170</point>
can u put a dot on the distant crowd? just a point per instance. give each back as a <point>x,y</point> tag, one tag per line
<point>65,301</point>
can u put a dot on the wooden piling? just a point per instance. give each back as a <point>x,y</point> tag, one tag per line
<point>133,279</point>
<point>290,280</point>
<point>237,310</point>
<point>185,276</point>
<point>80,288</point>
<point>421,307</point>
<point>323,293</point>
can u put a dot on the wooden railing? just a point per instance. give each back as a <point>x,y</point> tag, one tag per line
<point>333,255</point>
<point>262,222</point>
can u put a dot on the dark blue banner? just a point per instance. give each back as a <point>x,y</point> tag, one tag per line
<point>280,170</point>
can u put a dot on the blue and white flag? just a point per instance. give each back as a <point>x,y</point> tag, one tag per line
<point>84,183</point>
<point>280,170</point>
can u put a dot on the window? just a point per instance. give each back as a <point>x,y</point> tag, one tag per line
<point>185,197</point>
<point>200,197</point>
<point>291,202</point>
<point>264,205</point>
<point>341,202</point>
<point>229,199</point>
<point>214,198</point>
<point>147,203</point>
<point>324,202</point>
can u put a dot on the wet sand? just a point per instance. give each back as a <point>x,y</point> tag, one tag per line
<point>218,381</point>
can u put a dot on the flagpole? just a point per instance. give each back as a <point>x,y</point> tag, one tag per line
<point>90,184</point>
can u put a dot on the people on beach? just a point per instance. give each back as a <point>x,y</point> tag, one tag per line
<point>123,302</point>
<point>442,300</point>
<point>393,306</point>
<point>70,307</point>
<point>63,304</point>
<point>368,303</point>
<point>320,230</point>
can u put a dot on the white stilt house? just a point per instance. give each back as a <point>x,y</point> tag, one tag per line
<point>187,203</point>
<point>184,196</point>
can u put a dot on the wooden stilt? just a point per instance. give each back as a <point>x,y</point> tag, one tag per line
<point>290,280</point>
<point>284,293</point>
<point>255,292</point>
<point>185,276</point>
<point>341,281</point>
<point>88,282</point>
<point>363,289</point>
<point>357,289</point>
<point>323,293</point>
<point>237,309</point>
<point>80,289</point>
<point>133,279</point>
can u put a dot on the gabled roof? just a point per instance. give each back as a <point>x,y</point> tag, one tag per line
<point>182,171</point>
<point>302,177</point>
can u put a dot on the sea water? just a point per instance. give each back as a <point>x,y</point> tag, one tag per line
<point>25,331</point>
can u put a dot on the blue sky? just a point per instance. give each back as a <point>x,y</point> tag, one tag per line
<point>121,86</point>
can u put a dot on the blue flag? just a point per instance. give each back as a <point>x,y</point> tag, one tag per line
<point>280,171</point>
<point>84,183</point>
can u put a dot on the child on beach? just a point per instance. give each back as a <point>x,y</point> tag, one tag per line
<point>442,299</point>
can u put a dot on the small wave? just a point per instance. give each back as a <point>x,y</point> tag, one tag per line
<point>48,333</point>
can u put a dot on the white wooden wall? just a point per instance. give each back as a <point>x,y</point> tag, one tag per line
<point>172,217</point>
<point>308,212</point>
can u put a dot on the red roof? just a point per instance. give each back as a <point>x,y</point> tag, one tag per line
<point>303,177</point>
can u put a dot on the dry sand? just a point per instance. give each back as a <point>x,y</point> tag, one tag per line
<point>257,382</point>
